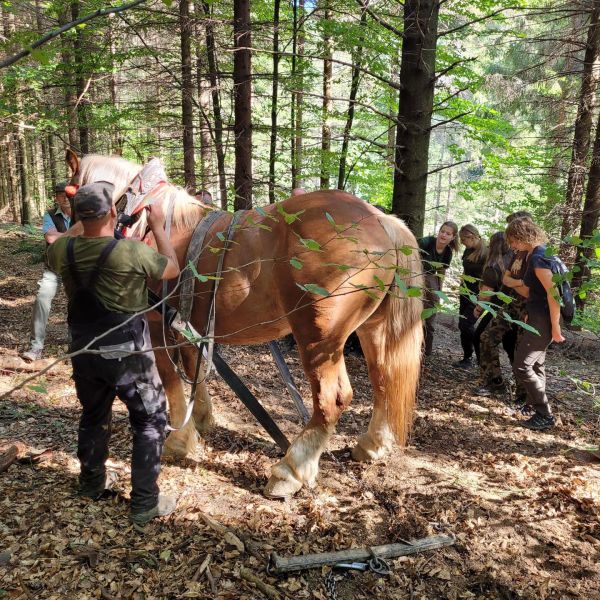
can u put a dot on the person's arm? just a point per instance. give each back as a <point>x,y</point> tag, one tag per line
<point>545,277</point>
<point>482,298</point>
<point>156,219</point>
<point>516,284</point>
<point>53,234</point>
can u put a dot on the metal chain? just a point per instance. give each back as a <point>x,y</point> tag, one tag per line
<point>331,585</point>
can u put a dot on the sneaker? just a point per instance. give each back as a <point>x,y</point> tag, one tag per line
<point>539,422</point>
<point>164,507</point>
<point>31,355</point>
<point>465,363</point>
<point>524,409</point>
<point>95,493</point>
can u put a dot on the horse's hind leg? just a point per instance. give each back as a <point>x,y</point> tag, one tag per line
<point>379,438</point>
<point>324,364</point>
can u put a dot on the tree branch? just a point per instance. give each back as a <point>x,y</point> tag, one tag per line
<point>11,60</point>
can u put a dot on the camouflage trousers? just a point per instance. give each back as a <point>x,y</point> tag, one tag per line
<point>501,331</point>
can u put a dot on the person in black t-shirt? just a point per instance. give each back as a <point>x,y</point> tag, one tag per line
<point>473,259</point>
<point>436,252</point>
<point>543,313</point>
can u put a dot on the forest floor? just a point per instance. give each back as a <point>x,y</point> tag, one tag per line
<point>524,506</point>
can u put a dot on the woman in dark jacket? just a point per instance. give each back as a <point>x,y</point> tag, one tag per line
<point>436,252</point>
<point>473,259</point>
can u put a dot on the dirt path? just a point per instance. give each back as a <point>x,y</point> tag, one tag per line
<point>524,506</point>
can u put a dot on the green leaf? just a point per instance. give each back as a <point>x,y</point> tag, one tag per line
<point>296,263</point>
<point>221,235</point>
<point>39,388</point>
<point>442,295</point>
<point>408,250</point>
<point>487,306</point>
<point>165,554</point>
<point>342,268</point>
<point>428,312</point>
<point>400,283</point>
<point>504,297</point>
<point>380,284</point>
<point>469,279</point>
<point>288,217</point>
<point>414,292</point>
<point>313,288</point>
<point>311,245</point>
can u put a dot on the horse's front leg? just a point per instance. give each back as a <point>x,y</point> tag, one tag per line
<point>203,409</point>
<point>183,441</point>
<point>332,393</point>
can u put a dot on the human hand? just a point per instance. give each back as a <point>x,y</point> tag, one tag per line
<point>557,336</point>
<point>156,217</point>
<point>477,311</point>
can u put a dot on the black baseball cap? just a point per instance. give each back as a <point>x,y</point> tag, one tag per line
<point>94,200</point>
<point>60,187</point>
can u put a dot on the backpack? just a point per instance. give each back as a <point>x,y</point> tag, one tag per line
<point>561,278</point>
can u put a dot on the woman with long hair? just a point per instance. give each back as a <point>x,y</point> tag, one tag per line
<point>543,314</point>
<point>436,252</point>
<point>473,259</point>
<point>498,260</point>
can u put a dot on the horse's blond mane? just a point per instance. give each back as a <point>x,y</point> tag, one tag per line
<point>119,171</point>
<point>187,212</point>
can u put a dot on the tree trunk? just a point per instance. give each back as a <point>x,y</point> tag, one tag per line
<point>590,78</point>
<point>242,72</point>
<point>81,105</point>
<point>327,103</point>
<point>206,133</point>
<point>216,101</point>
<point>414,113</point>
<point>297,96</point>
<point>187,96</point>
<point>23,171</point>
<point>589,221</point>
<point>273,141</point>
<point>68,86</point>
<point>356,61</point>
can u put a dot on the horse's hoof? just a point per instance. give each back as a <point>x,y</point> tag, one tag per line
<point>175,449</point>
<point>360,454</point>
<point>281,489</point>
<point>205,425</point>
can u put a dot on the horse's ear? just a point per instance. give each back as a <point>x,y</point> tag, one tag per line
<point>72,161</point>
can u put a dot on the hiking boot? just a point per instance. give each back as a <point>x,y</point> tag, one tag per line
<point>164,507</point>
<point>465,364</point>
<point>95,492</point>
<point>31,355</point>
<point>539,422</point>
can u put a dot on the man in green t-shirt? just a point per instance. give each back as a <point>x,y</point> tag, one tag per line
<point>105,282</point>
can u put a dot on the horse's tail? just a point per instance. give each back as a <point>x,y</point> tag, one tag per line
<point>403,332</point>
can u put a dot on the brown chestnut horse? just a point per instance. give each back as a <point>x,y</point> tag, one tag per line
<point>320,265</point>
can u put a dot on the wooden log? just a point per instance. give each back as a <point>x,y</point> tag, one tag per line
<point>8,457</point>
<point>280,564</point>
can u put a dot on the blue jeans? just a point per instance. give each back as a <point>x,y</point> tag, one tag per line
<point>48,286</point>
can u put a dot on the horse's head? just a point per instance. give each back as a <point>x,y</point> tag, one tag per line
<point>135,188</point>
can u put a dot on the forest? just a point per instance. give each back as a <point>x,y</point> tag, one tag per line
<point>431,110</point>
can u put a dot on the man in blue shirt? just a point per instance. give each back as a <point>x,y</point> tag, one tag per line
<point>57,223</point>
